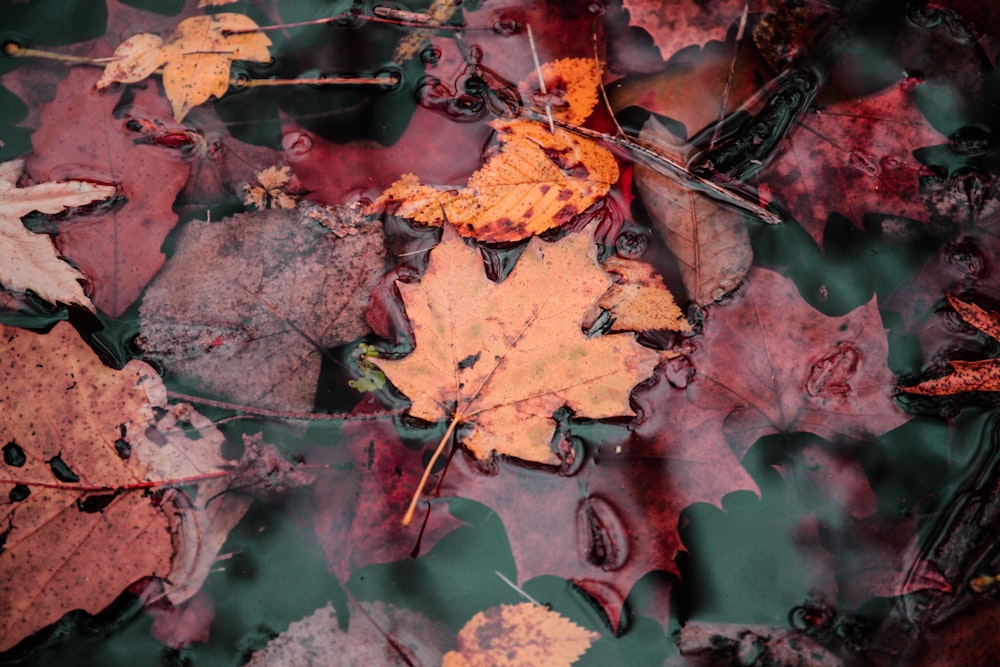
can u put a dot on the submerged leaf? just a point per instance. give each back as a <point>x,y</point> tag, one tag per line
<point>710,240</point>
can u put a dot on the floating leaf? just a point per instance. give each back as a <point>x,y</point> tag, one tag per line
<point>517,635</point>
<point>29,260</point>
<point>508,355</point>
<point>639,301</point>
<point>967,375</point>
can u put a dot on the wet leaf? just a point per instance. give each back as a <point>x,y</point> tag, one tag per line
<point>377,634</point>
<point>534,180</point>
<point>967,375</point>
<point>638,300</point>
<point>829,377</point>
<point>29,260</point>
<point>89,505</point>
<point>674,24</point>
<point>853,158</point>
<point>710,240</point>
<point>293,289</point>
<point>195,59</point>
<point>506,356</point>
<point>270,189</point>
<point>87,135</point>
<point>521,634</point>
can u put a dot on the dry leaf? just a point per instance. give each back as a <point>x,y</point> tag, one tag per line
<point>29,261</point>
<point>519,635</point>
<point>196,58</point>
<point>89,457</point>
<point>639,301</point>
<point>710,240</point>
<point>571,86</point>
<point>508,355</point>
<point>967,375</point>
<point>533,180</point>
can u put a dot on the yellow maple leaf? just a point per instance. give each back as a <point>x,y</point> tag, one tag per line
<point>533,180</point>
<point>195,60</point>
<point>269,190</point>
<point>499,359</point>
<point>519,635</point>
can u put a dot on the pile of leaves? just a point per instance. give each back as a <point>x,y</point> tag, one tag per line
<point>498,333</point>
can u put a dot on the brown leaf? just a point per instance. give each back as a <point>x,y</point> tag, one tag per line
<point>967,375</point>
<point>674,24</point>
<point>86,448</point>
<point>29,260</point>
<point>513,635</point>
<point>639,301</point>
<point>508,355</point>
<point>293,288</point>
<point>710,240</point>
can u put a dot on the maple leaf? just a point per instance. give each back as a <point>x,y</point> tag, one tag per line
<point>29,260</point>
<point>536,179</point>
<point>674,24</point>
<point>853,158</point>
<point>829,378</point>
<point>967,375</point>
<point>501,358</point>
<point>260,341</point>
<point>83,444</point>
<point>195,59</point>
<point>86,134</point>
<point>520,634</point>
<point>709,239</point>
<point>269,190</point>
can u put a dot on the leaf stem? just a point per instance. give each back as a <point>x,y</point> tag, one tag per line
<point>408,517</point>
<point>320,81</point>
<point>15,50</point>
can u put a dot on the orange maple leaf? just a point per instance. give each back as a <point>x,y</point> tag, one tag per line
<point>967,375</point>
<point>535,178</point>
<point>501,358</point>
<point>513,635</point>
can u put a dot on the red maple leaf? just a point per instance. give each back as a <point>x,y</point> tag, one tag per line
<point>83,135</point>
<point>852,158</point>
<point>773,364</point>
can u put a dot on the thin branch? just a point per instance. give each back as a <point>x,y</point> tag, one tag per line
<point>541,80</point>
<point>408,517</point>
<point>731,75</point>
<point>518,589</point>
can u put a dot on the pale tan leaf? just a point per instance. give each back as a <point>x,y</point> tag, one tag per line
<point>519,635</point>
<point>29,261</point>
<point>508,355</point>
<point>134,60</point>
<point>710,240</point>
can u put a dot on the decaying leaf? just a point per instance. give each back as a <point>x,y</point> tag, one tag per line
<point>506,356</point>
<point>710,240</point>
<point>29,261</point>
<point>515,635</point>
<point>378,634</point>
<point>967,375</point>
<point>293,288</point>
<point>570,90</point>
<point>269,189</point>
<point>89,459</point>
<point>638,300</point>
<point>195,59</point>
<point>674,24</point>
<point>533,180</point>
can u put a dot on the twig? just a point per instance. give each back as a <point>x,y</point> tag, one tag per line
<point>408,517</point>
<point>518,589</point>
<point>280,414</point>
<point>731,75</point>
<point>541,80</point>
